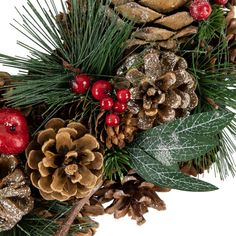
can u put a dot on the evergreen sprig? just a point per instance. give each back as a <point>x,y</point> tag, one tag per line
<point>214,25</point>
<point>216,78</point>
<point>116,164</point>
<point>82,38</point>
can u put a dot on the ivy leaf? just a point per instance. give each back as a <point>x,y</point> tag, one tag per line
<point>155,152</point>
<point>206,123</point>
<point>184,139</point>
<point>173,148</point>
<point>153,171</point>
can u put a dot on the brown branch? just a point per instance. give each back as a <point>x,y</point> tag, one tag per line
<point>65,227</point>
<point>68,66</point>
<point>212,103</point>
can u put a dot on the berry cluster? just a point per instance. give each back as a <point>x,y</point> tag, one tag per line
<point>102,91</point>
<point>201,9</point>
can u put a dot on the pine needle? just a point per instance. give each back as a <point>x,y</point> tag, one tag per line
<point>116,164</point>
<point>85,39</point>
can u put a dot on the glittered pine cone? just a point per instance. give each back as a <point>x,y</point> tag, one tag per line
<point>15,194</point>
<point>161,88</point>
<point>64,161</point>
<point>163,23</point>
<point>132,196</point>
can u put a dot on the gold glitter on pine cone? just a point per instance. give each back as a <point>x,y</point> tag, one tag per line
<point>158,22</point>
<point>64,161</point>
<point>132,196</point>
<point>15,194</point>
<point>161,87</point>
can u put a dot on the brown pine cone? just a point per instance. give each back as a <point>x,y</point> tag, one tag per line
<point>161,87</point>
<point>231,33</point>
<point>64,161</point>
<point>121,134</point>
<point>15,194</point>
<point>158,22</point>
<point>4,81</point>
<point>132,196</point>
<point>197,166</point>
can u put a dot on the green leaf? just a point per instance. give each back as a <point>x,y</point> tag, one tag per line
<point>206,123</point>
<point>155,152</point>
<point>184,139</point>
<point>156,173</point>
<point>173,148</point>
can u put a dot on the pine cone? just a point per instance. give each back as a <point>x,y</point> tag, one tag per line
<point>15,199</point>
<point>161,88</point>
<point>64,161</point>
<point>231,33</point>
<point>120,134</point>
<point>197,166</point>
<point>132,196</point>
<point>4,81</point>
<point>157,21</point>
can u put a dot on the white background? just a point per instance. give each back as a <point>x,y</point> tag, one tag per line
<point>187,214</point>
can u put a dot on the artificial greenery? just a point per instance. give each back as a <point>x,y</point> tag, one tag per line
<point>155,153</point>
<point>116,164</point>
<point>79,42</point>
<point>208,61</point>
<point>46,223</point>
<point>212,26</point>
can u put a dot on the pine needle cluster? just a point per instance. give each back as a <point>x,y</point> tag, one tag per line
<point>63,44</point>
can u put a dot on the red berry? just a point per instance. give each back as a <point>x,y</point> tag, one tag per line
<point>14,134</point>
<point>112,120</point>
<point>221,2</point>
<point>120,107</point>
<point>123,95</point>
<point>101,89</point>
<point>200,10</point>
<point>80,84</point>
<point>106,103</point>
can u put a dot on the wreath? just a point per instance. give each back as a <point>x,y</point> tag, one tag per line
<point>116,101</point>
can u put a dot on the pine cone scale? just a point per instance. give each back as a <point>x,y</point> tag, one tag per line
<point>163,6</point>
<point>137,13</point>
<point>184,19</point>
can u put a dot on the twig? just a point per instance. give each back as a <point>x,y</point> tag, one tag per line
<point>65,227</point>
<point>212,103</point>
